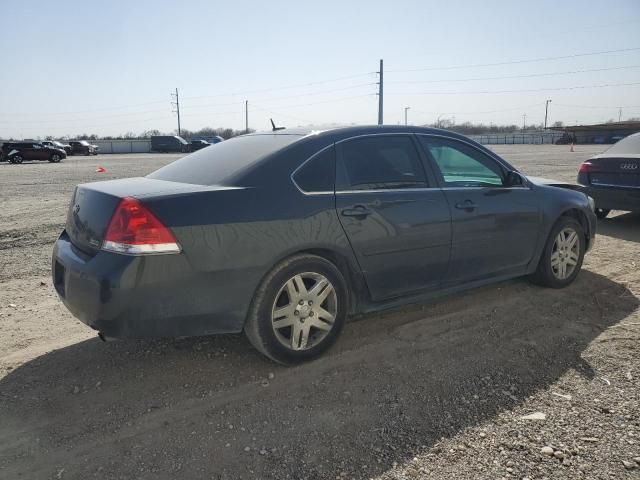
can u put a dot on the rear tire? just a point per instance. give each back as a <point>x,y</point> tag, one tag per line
<point>562,257</point>
<point>17,159</point>
<point>602,212</point>
<point>298,310</point>
<point>55,158</point>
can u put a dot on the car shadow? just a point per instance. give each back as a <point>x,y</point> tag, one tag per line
<point>625,226</point>
<point>212,407</point>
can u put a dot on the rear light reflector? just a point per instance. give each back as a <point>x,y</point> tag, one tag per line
<point>587,167</point>
<point>134,230</point>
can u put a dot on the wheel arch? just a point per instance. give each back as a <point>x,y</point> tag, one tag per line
<point>355,282</point>
<point>581,218</point>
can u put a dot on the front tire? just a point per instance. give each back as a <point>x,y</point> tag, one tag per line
<point>16,159</point>
<point>299,309</point>
<point>55,158</point>
<point>563,254</point>
<point>602,212</point>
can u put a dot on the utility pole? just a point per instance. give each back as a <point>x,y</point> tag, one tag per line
<point>405,114</point>
<point>380,91</point>
<point>620,114</point>
<point>524,121</point>
<point>246,116</point>
<point>177,110</point>
<point>546,113</point>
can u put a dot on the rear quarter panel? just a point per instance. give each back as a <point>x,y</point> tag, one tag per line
<point>554,202</point>
<point>232,238</point>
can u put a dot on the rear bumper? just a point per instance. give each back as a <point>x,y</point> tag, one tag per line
<point>139,297</point>
<point>627,199</point>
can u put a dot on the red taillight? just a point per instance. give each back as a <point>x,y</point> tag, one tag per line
<point>134,230</point>
<point>587,167</point>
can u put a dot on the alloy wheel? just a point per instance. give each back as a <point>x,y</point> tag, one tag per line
<point>565,253</point>
<point>304,311</point>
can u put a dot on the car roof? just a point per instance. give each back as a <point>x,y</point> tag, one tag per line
<point>359,130</point>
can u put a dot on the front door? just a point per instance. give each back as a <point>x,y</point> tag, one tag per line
<point>495,226</point>
<point>397,220</point>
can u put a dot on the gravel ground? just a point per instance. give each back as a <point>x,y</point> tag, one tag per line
<point>507,381</point>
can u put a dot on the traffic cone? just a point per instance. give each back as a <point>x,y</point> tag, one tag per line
<point>571,150</point>
<point>102,170</point>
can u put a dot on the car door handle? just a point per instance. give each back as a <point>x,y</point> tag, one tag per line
<point>466,205</point>
<point>357,211</point>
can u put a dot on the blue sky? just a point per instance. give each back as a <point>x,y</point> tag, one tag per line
<point>108,67</point>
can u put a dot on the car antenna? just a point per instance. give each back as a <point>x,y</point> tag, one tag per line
<point>274,128</point>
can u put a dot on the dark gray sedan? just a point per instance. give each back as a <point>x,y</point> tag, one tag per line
<point>612,178</point>
<point>284,234</point>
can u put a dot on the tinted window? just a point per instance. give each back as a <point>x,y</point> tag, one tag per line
<point>318,173</point>
<point>462,165</point>
<point>379,162</point>
<point>215,165</point>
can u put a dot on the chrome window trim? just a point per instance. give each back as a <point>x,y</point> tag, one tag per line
<point>386,134</point>
<point>304,192</point>
<point>426,187</point>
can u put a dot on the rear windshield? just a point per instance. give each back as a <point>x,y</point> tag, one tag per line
<point>630,144</point>
<point>216,164</point>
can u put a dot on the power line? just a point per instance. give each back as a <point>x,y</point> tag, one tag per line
<point>513,62</point>
<point>121,107</point>
<point>92,110</point>
<point>530,75</point>
<point>117,115</point>
<point>273,89</point>
<point>479,112</point>
<point>596,106</point>
<point>491,92</point>
<point>284,97</point>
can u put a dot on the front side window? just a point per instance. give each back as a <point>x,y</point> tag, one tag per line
<point>461,165</point>
<point>379,162</point>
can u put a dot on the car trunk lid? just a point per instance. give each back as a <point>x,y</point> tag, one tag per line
<point>616,171</point>
<point>93,205</point>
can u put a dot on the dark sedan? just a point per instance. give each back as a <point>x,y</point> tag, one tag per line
<point>82,147</point>
<point>198,145</point>
<point>612,178</point>
<point>284,234</point>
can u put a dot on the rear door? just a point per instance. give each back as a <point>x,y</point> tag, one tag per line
<point>38,152</point>
<point>495,226</point>
<point>396,218</point>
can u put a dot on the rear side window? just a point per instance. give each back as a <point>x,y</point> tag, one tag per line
<point>462,165</point>
<point>318,173</point>
<point>379,162</point>
<point>217,164</point>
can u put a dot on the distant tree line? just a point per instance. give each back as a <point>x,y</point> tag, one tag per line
<point>205,132</point>
<point>469,128</point>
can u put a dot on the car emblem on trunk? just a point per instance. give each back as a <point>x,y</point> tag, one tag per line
<point>76,208</point>
<point>629,166</point>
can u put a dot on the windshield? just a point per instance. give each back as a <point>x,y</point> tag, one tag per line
<point>215,164</point>
<point>626,146</point>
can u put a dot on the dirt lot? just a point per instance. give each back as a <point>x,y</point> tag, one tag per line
<point>430,391</point>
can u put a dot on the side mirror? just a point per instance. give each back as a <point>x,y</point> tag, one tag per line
<point>514,179</point>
